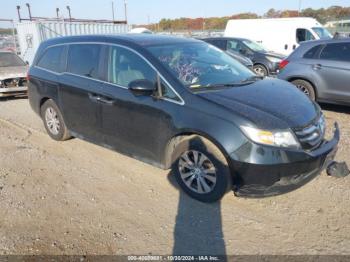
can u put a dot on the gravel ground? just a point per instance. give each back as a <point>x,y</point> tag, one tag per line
<point>74,197</point>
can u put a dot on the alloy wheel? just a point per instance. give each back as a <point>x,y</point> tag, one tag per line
<point>52,121</point>
<point>259,71</point>
<point>197,172</point>
<point>304,89</point>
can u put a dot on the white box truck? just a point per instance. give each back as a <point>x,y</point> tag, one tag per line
<point>281,35</point>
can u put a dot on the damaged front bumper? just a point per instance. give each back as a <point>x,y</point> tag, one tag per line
<point>295,169</point>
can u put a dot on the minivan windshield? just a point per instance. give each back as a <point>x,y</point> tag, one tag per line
<point>200,65</point>
<point>9,59</point>
<point>254,46</point>
<point>322,32</point>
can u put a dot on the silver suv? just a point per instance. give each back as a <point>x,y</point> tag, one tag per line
<point>321,69</point>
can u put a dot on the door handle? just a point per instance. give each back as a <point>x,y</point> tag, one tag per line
<point>93,97</point>
<point>317,67</point>
<point>99,99</point>
<point>106,101</point>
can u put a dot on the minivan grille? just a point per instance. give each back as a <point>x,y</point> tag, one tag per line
<point>312,135</point>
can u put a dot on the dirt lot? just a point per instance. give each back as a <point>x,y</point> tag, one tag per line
<point>77,198</point>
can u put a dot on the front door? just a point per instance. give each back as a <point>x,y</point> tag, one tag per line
<point>138,126</point>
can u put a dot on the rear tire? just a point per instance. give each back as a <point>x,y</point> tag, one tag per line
<point>53,121</point>
<point>306,87</point>
<point>201,170</point>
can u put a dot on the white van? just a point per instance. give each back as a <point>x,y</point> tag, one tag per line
<point>281,35</point>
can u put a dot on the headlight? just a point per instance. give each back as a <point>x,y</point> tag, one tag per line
<point>274,59</point>
<point>283,138</point>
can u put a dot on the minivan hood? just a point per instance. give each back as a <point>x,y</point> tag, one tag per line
<point>268,104</point>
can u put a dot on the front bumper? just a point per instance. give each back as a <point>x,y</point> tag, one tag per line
<point>298,168</point>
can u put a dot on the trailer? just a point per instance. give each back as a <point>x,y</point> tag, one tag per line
<point>32,33</point>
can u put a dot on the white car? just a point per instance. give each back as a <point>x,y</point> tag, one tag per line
<point>13,71</point>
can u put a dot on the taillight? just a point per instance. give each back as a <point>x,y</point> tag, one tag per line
<point>283,64</point>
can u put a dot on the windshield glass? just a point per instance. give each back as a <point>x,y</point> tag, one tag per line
<point>322,32</point>
<point>199,65</point>
<point>254,46</point>
<point>9,59</point>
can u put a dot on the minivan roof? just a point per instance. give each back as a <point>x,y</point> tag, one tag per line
<point>138,39</point>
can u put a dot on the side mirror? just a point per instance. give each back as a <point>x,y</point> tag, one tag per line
<point>142,87</point>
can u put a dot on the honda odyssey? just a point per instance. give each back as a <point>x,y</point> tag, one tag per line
<point>181,104</point>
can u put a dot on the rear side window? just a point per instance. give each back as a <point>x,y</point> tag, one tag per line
<point>53,59</point>
<point>337,52</point>
<point>312,52</point>
<point>84,59</point>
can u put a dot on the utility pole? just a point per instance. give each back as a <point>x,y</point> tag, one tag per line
<point>30,13</point>
<point>113,10</point>
<point>58,13</point>
<point>70,17</point>
<point>299,8</point>
<point>19,13</point>
<point>126,11</point>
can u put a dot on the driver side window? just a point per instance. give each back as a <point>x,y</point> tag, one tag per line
<point>234,45</point>
<point>125,66</point>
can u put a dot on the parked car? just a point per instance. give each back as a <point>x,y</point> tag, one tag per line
<point>281,35</point>
<point>265,62</point>
<point>321,69</point>
<point>236,55</point>
<point>13,71</point>
<point>181,104</point>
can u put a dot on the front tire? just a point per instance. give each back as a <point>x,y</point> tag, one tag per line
<point>260,70</point>
<point>53,121</point>
<point>306,87</point>
<point>201,170</point>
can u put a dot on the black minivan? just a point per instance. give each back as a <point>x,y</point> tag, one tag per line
<point>181,104</point>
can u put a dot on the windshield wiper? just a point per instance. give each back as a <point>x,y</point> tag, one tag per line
<point>246,81</point>
<point>215,85</point>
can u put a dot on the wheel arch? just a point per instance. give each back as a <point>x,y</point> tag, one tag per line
<point>185,134</point>
<point>42,102</point>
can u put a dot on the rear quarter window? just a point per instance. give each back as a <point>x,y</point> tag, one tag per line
<point>53,59</point>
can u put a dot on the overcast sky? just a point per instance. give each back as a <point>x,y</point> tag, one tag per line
<point>139,10</point>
